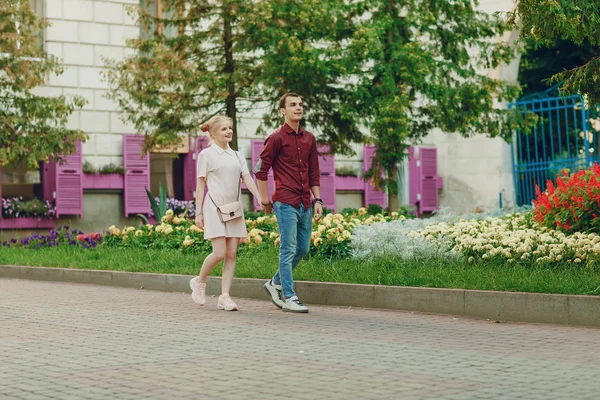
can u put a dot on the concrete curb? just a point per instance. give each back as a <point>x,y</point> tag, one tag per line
<point>501,306</point>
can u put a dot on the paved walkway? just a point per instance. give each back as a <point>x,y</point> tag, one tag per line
<point>68,341</point>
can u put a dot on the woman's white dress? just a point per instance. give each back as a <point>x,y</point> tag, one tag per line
<point>222,170</point>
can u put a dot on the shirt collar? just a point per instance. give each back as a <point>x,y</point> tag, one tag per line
<point>220,150</point>
<point>288,129</point>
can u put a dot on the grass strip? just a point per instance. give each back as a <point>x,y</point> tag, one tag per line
<point>567,279</point>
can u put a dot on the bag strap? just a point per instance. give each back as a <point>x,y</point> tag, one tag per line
<point>239,183</point>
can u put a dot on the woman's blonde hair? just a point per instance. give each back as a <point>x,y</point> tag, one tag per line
<point>212,124</point>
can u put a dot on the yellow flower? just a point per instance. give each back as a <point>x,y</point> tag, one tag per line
<point>254,232</point>
<point>168,230</point>
<point>362,211</point>
<point>340,239</point>
<point>277,242</point>
<point>139,233</point>
<point>169,213</point>
<point>317,242</point>
<point>258,239</point>
<point>194,228</point>
<point>274,235</point>
<point>321,228</point>
<point>176,220</point>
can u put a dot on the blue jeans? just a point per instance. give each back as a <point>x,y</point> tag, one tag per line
<point>295,226</point>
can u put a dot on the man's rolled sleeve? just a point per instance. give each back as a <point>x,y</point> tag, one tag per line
<point>314,174</point>
<point>266,158</point>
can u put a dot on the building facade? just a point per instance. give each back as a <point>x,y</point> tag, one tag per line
<point>474,171</point>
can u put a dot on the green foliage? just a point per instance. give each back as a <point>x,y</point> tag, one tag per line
<point>174,233</point>
<point>345,170</point>
<point>426,67</point>
<point>32,127</point>
<point>550,23</point>
<point>306,48</point>
<point>374,209</point>
<point>538,64</point>
<point>35,208</point>
<point>159,209</point>
<point>187,70</point>
<point>111,168</point>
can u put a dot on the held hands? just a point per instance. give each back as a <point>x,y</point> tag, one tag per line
<point>268,207</point>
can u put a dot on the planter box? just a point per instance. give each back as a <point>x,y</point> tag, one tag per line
<point>26,223</point>
<point>103,181</point>
<point>349,183</point>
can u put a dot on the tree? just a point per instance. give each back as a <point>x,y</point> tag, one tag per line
<point>426,66</point>
<point>548,22</point>
<point>172,83</point>
<point>32,127</point>
<point>305,47</point>
<point>538,64</point>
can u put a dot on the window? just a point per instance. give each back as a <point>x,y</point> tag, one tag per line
<point>157,9</point>
<point>38,9</point>
<point>17,181</point>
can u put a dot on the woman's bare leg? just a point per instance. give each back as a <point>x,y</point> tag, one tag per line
<point>229,264</point>
<point>218,253</point>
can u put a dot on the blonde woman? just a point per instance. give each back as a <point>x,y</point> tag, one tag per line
<point>220,168</point>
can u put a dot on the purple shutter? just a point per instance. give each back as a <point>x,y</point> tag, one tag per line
<point>256,149</point>
<point>49,180</point>
<point>429,182</point>
<point>327,169</point>
<point>69,185</point>
<point>137,175</point>
<point>189,171</point>
<point>414,176</point>
<point>0,192</point>
<point>372,196</point>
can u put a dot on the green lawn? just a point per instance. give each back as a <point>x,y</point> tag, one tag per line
<point>262,264</point>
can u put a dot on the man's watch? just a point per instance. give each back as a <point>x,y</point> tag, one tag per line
<point>318,200</point>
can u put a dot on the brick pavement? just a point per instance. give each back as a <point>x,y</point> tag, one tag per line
<point>69,341</point>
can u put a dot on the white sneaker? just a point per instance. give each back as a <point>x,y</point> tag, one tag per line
<point>294,305</point>
<point>275,291</point>
<point>225,303</point>
<point>198,291</point>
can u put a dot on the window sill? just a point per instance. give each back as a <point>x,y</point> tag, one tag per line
<point>26,223</point>
<point>349,183</point>
<point>105,181</point>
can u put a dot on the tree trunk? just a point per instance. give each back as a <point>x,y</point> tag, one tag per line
<point>228,69</point>
<point>393,190</point>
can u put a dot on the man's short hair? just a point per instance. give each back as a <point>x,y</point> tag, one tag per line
<point>285,96</point>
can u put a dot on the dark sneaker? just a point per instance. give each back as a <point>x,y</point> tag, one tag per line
<point>294,305</point>
<point>275,292</point>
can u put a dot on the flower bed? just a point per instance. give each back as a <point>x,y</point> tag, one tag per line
<point>55,238</point>
<point>16,207</point>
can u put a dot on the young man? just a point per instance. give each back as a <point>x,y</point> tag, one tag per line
<point>292,153</point>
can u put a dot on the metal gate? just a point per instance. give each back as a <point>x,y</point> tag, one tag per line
<point>564,138</point>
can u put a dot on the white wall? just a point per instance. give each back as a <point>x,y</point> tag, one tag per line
<point>82,32</point>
